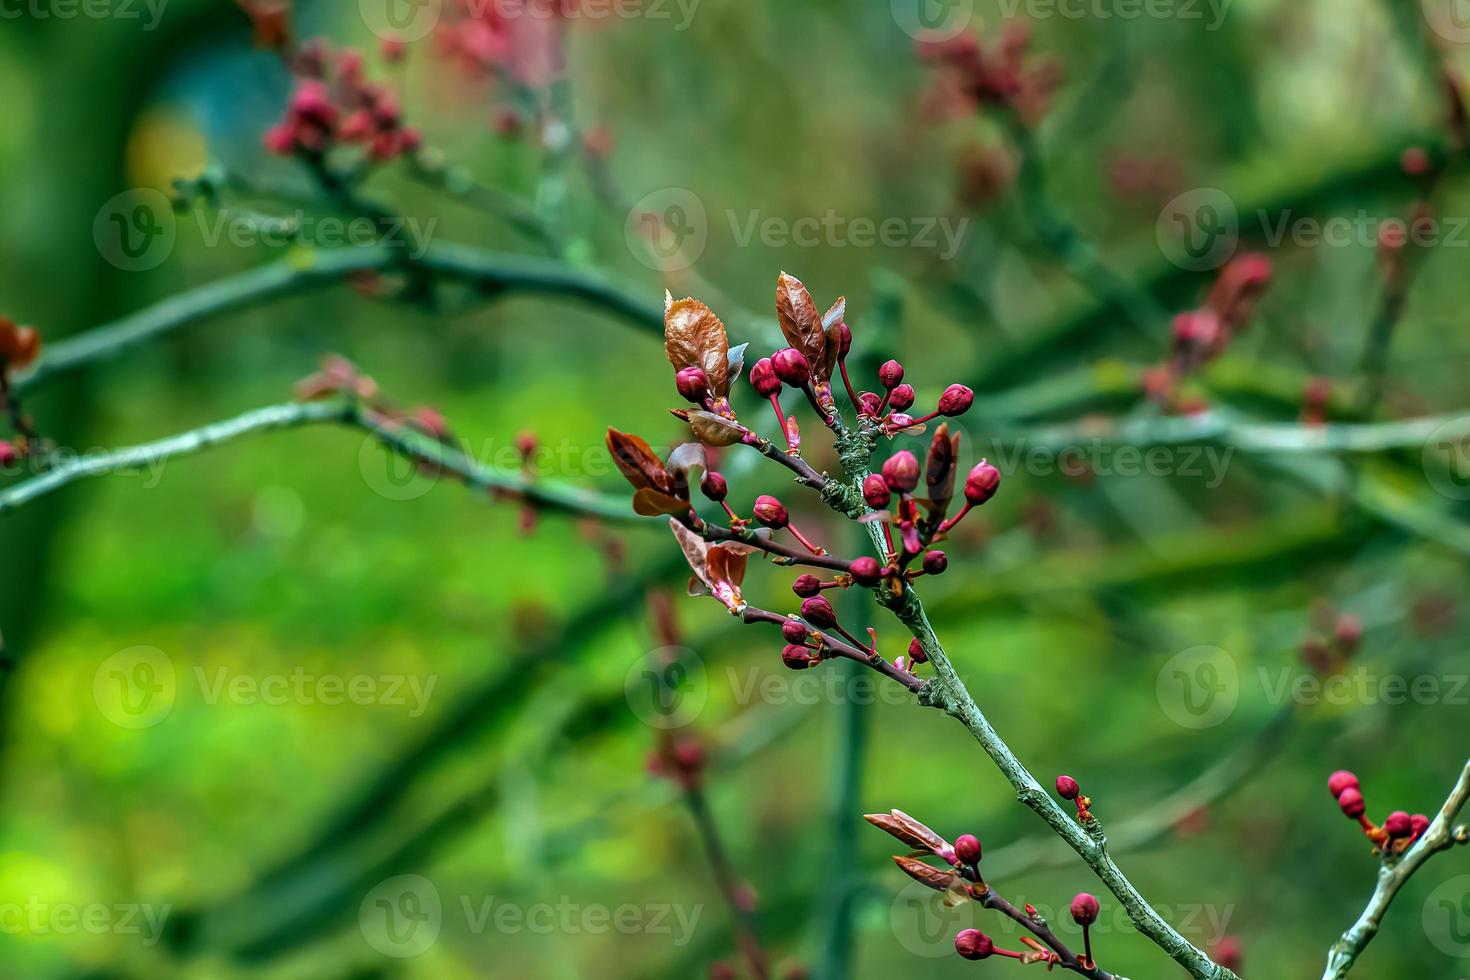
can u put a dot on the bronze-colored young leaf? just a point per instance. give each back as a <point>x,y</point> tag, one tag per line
<point>939,468</point>
<point>655,503</point>
<point>925,875</point>
<point>799,319</point>
<point>712,429</point>
<point>695,549</point>
<point>695,337</point>
<point>637,461</point>
<point>907,829</point>
<point>832,343</point>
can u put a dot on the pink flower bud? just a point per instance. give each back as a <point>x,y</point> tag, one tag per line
<point>866,571</point>
<point>771,512</point>
<point>1398,825</point>
<point>1415,162</point>
<point>935,562</point>
<point>916,652</point>
<point>807,586</point>
<point>844,339</point>
<point>875,491</point>
<point>973,944</point>
<point>868,403</point>
<point>819,612</point>
<point>902,398</point>
<point>693,385</point>
<point>1351,801</point>
<point>890,375</point>
<point>1419,823</point>
<point>982,483</point>
<point>714,487</point>
<point>956,400</point>
<point>794,632</point>
<point>1084,909</point>
<point>967,848</point>
<point>1341,780</point>
<point>8,453</point>
<point>901,472</point>
<point>795,657</point>
<point>791,366</point>
<point>763,378</point>
<point>1067,788</point>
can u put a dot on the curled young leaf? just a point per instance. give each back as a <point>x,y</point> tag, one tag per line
<point>726,573</point>
<point>832,343</point>
<point>939,469</point>
<point>686,458</point>
<point>800,321</point>
<point>695,337</point>
<point>649,502</point>
<point>638,462</point>
<point>934,878</point>
<point>712,429</point>
<point>695,551</point>
<point>735,362</point>
<point>898,824</point>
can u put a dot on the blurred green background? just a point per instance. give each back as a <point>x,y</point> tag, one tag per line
<point>258,836</point>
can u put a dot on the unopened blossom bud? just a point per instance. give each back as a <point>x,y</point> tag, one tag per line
<point>875,491</point>
<point>1084,909</point>
<point>1418,823</point>
<point>796,657</point>
<point>807,586</point>
<point>967,848</point>
<point>956,400</point>
<point>714,487</point>
<point>935,562</point>
<point>720,970</point>
<point>791,366</point>
<point>1341,780</point>
<point>1067,788</point>
<point>794,632</point>
<point>1351,801</point>
<point>901,472</point>
<point>916,652</point>
<point>973,944</point>
<point>1348,632</point>
<point>902,398</point>
<point>1398,825</point>
<point>844,339</point>
<point>693,385</point>
<point>819,612</point>
<point>771,512</point>
<point>1415,162</point>
<point>866,571</point>
<point>868,403</point>
<point>763,378</point>
<point>982,483</point>
<point>890,375</point>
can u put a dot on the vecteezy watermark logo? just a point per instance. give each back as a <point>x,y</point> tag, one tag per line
<point>1199,687</point>
<point>402,916</point>
<point>150,12</point>
<point>1446,458</point>
<point>136,687</point>
<point>667,688</point>
<point>667,230</point>
<point>401,20</point>
<point>135,230</point>
<point>37,917</point>
<point>1199,229</point>
<point>1447,917</point>
<point>1450,19</point>
<point>1212,11</point>
<point>924,922</point>
<point>932,20</point>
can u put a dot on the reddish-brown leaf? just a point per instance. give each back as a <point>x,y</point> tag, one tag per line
<point>695,337</point>
<point>654,503</point>
<point>695,549</point>
<point>799,319</point>
<point>933,878</point>
<point>638,462</point>
<point>939,468</point>
<point>712,429</point>
<point>907,829</point>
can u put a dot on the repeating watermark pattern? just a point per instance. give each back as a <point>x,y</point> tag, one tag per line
<point>147,13</point>
<point>138,688</point>
<point>403,917</point>
<point>1446,917</point>
<point>1450,19</point>
<point>1198,688</point>
<point>38,917</point>
<point>136,230</point>
<point>1104,458</point>
<point>1211,13</point>
<point>1199,229</point>
<point>667,688</point>
<point>669,229</point>
<point>752,685</point>
<point>933,20</point>
<point>1446,459</point>
<point>413,20</point>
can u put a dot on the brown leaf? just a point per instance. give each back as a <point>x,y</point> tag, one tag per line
<point>899,824</point>
<point>695,337</point>
<point>695,549</point>
<point>638,462</point>
<point>654,503</point>
<point>712,429</point>
<point>939,468</point>
<point>933,878</point>
<point>799,319</point>
<point>832,344</point>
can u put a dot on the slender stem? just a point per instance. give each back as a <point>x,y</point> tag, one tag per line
<point>1039,927</point>
<point>1439,837</point>
<point>746,934</point>
<point>753,614</point>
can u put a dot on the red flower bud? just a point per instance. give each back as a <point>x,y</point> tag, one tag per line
<point>693,385</point>
<point>1067,788</point>
<point>844,339</point>
<point>794,632</point>
<point>866,571</point>
<point>1084,909</point>
<point>901,472</point>
<point>935,562</point>
<point>1399,824</point>
<point>1418,823</point>
<point>967,848</point>
<point>807,586</point>
<point>890,375</point>
<point>875,491</point>
<point>819,612</point>
<point>795,657</point>
<point>771,512</point>
<point>714,487</point>
<point>868,403</point>
<point>973,944</point>
<point>791,366</point>
<point>916,652</point>
<point>763,378</point>
<point>982,483</point>
<point>1351,801</point>
<point>8,453</point>
<point>956,400</point>
<point>1341,780</point>
<point>902,398</point>
<point>1415,162</point>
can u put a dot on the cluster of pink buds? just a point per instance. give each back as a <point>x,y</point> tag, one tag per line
<point>334,105</point>
<point>1201,335</point>
<point>1399,830</point>
<point>961,880</point>
<point>972,76</point>
<point>1339,635</point>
